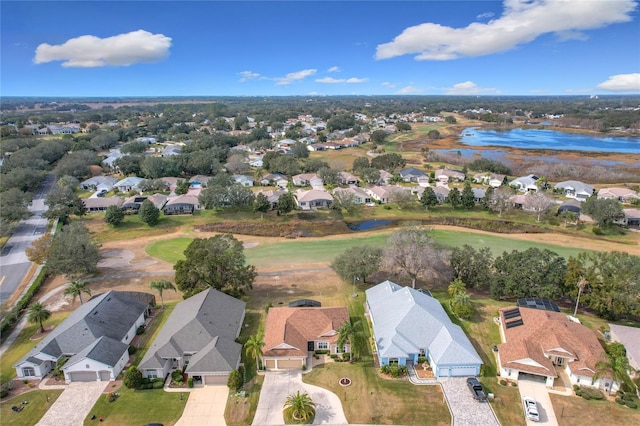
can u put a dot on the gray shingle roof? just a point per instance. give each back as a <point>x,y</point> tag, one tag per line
<point>111,314</point>
<point>106,350</point>
<point>406,320</point>
<point>193,326</point>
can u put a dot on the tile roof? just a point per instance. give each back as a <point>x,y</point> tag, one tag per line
<point>544,333</point>
<point>288,330</point>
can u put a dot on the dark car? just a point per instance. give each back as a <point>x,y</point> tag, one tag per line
<point>476,389</point>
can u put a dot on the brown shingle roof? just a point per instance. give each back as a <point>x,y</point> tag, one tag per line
<point>546,333</point>
<point>288,330</point>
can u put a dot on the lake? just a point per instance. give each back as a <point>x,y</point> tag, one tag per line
<point>549,139</point>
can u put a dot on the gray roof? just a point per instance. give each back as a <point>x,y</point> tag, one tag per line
<point>99,180</point>
<point>193,326</point>
<point>576,185</point>
<point>630,338</point>
<point>411,171</point>
<point>105,350</point>
<point>129,181</point>
<point>406,320</point>
<point>111,314</point>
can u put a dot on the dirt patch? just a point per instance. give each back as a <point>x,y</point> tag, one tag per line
<point>120,259</point>
<point>39,335</point>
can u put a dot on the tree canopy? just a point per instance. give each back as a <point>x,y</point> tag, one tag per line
<point>217,262</point>
<point>72,252</point>
<point>358,261</point>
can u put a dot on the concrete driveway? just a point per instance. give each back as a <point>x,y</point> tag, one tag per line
<point>278,385</point>
<point>538,391</point>
<point>464,409</point>
<point>205,407</point>
<point>73,405</point>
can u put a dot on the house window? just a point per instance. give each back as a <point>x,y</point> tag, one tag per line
<point>28,372</point>
<point>393,361</point>
<point>152,374</point>
<point>323,345</point>
<point>422,352</point>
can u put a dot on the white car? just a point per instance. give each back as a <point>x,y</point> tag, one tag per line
<point>530,409</point>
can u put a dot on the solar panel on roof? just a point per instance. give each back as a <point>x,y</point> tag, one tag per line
<point>512,313</point>
<point>538,303</point>
<point>514,323</point>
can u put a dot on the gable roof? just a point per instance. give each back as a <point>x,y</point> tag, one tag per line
<point>406,320</point>
<point>537,333</point>
<point>111,314</point>
<point>411,171</point>
<point>193,326</point>
<point>630,338</point>
<point>575,185</point>
<point>312,195</point>
<point>105,350</point>
<point>288,330</point>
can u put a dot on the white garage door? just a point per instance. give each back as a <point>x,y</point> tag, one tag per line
<point>464,371</point>
<point>289,363</point>
<point>83,376</point>
<point>216,380</point>
<point>105,376</point>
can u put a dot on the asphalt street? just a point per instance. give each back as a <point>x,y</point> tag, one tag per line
<point>14,263</point>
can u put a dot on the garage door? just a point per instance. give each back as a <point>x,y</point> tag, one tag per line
<point>463,371</point>
<point>270,363</point>
<point>105,376</point>
<point>83,376</point>
<point>289,363</point>
<point>216,380</point>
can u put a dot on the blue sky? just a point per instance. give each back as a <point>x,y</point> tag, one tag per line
<point>267,48</point>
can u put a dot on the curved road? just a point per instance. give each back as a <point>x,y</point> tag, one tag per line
<point>14,263</point>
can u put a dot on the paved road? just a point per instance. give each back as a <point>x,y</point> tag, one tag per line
<point>14,263</point>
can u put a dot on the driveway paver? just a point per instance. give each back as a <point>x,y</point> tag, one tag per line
<point>538,391</point>
<point>465,410</point>
<point>73,405</point>
<point>205,407</point>
<point>278,385</point>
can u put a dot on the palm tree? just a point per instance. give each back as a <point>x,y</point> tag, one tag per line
<point>253,347</point>
<point>301,405</point>
<point>160,286</point>
<point>616,363</point>
<point>456,287</point>
<point>346,333</point>
<point>38,313</point>
<point>75,289</point>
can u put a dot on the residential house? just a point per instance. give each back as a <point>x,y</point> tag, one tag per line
<point>630,338</point>
<point>158,200</point>
<point>292,334</point>
<point>540,342</point>
<point>307,179</point>
<point>408,324</point>
<point>521,202</point>
<point>624,195</point>
<point>360,196</point>
<point>200,337</point>
<point>444,176</point>
<point>199,181</point>
<point>94,339</point>
<point>478,194</point>
<point>171,150</point>
<point>442,192</point>
<point>345,178</point>
<point>272,196</point>
<point>411,174</point>
<point>382,194</point>
<point>181,204</point>
<point>101,204</point>
<point>385,177</point>
<point>171,182</point>
<point>275,179</point>
<point>574,189</point>
<point>490,179</point>
<point>313,199</point>
<point>244,180</point>
<point>132,204</point>
<point>98,183</point>
<point>128,184</point>
<point>573,206</point>
<point>525,183</point>
<point>631,218</point>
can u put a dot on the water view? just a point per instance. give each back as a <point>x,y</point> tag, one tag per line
<point>549,139</point>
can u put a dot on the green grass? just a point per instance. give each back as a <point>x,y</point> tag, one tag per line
<point>139,407</point>
<point>32,412</point>
<point>241,411</point>
<point>302,251</point>
<point>23,345</point>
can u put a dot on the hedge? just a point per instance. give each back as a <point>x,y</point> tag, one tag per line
<point>13,315</point>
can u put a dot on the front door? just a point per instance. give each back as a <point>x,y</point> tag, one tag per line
<point>310,346</point>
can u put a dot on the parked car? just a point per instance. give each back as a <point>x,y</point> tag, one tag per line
<point>530,409</point>
<point>476,389</point>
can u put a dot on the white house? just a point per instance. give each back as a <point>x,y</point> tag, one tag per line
<point>525,183</point>
<point>574,189</point>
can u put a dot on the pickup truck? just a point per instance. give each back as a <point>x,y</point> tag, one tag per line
<point>476,389</point>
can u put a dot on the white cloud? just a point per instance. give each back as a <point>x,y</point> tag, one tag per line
<point>332,80</point>
<point>521,22</point>
<point>389,85</point>
<point>486,15</point>
<point>333,69</point>
<point>248,75</point>
<point>89,51</point>
<point>622,83</point>
<point>469,88</point>
<point>294,76</point>
<point>409,90</point>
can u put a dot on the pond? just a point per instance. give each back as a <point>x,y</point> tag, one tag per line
<point>368,225</point>
<point>549,139</point>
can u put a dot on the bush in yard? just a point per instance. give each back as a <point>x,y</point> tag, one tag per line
<point>631,404</point>
<point>620,401</point>
<point>145,381</point>
<point>132,378</point>
<point>4,392</point>
<point>132,349</point>
<point>422,359</point>
<point>190,382</point>
<point>140,330</point>
<point>234,382</point>
<point>112,396</point>
<point>176,376</point>
<point>157,385</point>
<point>503,383</point>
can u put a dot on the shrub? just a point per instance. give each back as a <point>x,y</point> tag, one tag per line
<point>503,382</point>
<point>235,380</point>
<point>112,396</point>
<point>176,376</point>
<point>145,381</point>
<point>132,378</point>
<point>4,392</point>
<point>156,385</point>
<point>189,382</point>
<point>346,357</point>
<point>322,352</point>
<point>620,401</point>
<point>304,367</point>
<point>631,404</point>
<point>628,397</point>
<point>597,231</point>
<point>624,387</point>
<point>422,359</point>
<point>132,349</point>
<point>140,330</point>
<point>576,387</point>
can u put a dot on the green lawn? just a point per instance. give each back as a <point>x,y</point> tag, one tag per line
<point>305,251</point>
<point>32,412</point>
<point>22,345</point>
<point>139,407</point>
